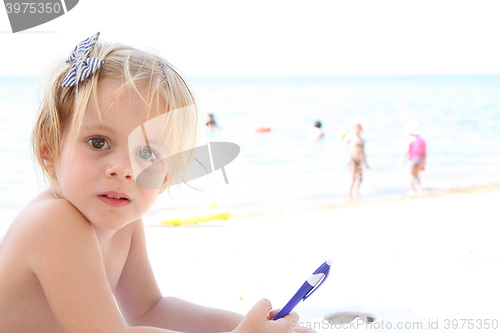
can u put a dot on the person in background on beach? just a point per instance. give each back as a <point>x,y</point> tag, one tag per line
<point>316,132</point>
<point>210,124</point>
<point>416,153</point>
<point>356,146</point>
<point>75,259</point>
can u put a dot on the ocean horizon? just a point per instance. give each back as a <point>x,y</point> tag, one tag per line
<point>459,117</point>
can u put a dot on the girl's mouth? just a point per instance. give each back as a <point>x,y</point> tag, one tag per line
<point>114,200</point>
<point>113,197</point>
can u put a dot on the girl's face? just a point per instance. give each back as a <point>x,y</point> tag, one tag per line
<point>357,128</point>
<point>95,172</point>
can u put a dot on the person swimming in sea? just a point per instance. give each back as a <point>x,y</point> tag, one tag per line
<point>316,132</point>
<point>211,124</point>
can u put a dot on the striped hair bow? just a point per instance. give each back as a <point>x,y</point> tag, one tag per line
<point>82,66</point>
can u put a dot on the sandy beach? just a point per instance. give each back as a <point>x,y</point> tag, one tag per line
<point>435,256</point>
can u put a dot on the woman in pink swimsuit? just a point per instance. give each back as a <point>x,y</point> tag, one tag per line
<point>416,154</point>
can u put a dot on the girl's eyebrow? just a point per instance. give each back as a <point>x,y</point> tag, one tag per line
<point>97,126</point>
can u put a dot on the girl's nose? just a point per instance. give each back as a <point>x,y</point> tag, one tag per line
<point>119,166</point>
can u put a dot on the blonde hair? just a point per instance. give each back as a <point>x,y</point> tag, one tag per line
<point>62,108</point>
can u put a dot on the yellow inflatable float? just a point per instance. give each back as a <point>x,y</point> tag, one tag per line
<point>194,216</point>
<point>187,220</point>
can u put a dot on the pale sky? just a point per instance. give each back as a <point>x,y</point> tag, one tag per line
<point>276,37</point>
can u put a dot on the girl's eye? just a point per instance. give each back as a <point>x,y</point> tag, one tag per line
<point>147,153</point>
<point>98,143</point>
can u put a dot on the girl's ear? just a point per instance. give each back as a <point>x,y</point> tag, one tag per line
<point>47,157</point>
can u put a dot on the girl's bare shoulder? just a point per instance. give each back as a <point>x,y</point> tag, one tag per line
<point>46,216</point>
<point>41,229</point>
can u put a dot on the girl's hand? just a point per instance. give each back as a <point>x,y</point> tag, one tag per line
<point>294,323</point>
<point>258,320</point>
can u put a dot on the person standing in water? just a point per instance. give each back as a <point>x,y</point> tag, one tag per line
<point>356,145</point>
<point>416,153</point>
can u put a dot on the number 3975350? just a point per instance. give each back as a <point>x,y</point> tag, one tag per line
<point>33,8</point>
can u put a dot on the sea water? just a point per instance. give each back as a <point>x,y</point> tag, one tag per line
<point>459,117</point>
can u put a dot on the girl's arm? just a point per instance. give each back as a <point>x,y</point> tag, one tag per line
<point>174,313</point>
<point>142,303</point>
